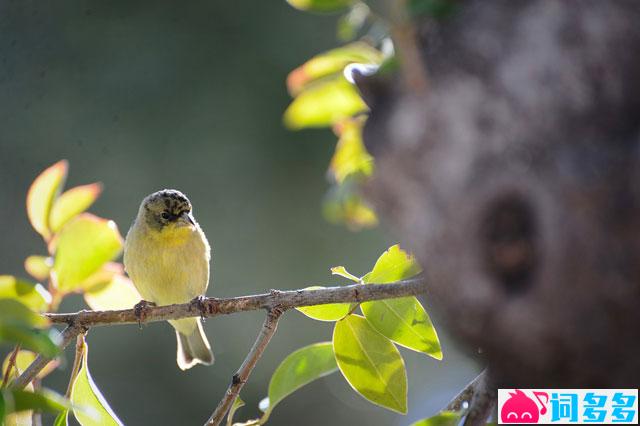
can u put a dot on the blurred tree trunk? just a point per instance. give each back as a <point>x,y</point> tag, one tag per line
<point>516,180</point>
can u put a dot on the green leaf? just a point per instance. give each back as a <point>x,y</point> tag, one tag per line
<point>13,311</point>
<point>82,247</point>
<point>328,312</point>
<point>117,293</point>
<point>42,341</point>
<point>89,406</point>
<point>42,400</point>
<point>323,104</point>
<point>71,203</point>
<point>331,63</point>
<point>38,266</point>
<point>34,296</point>
<point>62,419</point>
<point>370,363</point>
<point>393,265</point>
<point>321,6</point>
<point>405,322</point>
<point>42,193</point>
<point>342,271</point>
<point>350,157</point>
<point>445,418</point>
<point>237,403</point>
<point>299,368</point>
<point>343,204</point>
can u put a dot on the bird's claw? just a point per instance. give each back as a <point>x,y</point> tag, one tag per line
<point>141,310</point>
<point>199,303</point>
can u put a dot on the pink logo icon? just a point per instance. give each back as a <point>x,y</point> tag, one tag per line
<point>519,408</point>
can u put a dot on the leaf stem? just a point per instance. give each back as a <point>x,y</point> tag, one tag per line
<point>77,364</point>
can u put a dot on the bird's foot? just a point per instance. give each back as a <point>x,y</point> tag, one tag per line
<point>141,310</point>
<point>198,303</point>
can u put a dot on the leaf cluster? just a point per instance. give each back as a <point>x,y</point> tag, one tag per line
<point>364,348</point>
<point>81,249</point>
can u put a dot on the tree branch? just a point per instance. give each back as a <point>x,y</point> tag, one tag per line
<point>242,375</point>
<point>210,307</point>
<point>41,361</point>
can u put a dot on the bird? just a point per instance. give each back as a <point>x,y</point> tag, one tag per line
<point>167,256</point>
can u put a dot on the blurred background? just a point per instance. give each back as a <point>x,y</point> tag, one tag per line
<point>149,95</point>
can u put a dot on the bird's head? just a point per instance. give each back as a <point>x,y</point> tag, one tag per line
<point>165,210</point>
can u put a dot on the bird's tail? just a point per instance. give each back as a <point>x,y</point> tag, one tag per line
<point>193,348</point>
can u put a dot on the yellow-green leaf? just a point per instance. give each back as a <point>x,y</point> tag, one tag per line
<point>328,312</point>
<point>62,419</point>
<point>445,418</point>
<point>405,322</point>
<point>322,6</point>
<point>350,23</point>
<point>237,403</point>
<point>19,324</point>
<point>117,293</point>
<point>299,368</point>
<point>102,276</point>
<point>329,63</point>
<point>18,400</point>
<point>370,363</point>
<point>342,271</point>
<point>393,265</point>
<point>71,203</point>
<point>343,204</point>
<point>38,266</point>
<point>82,247</point>
<point>324,103</point>
<point>350,157</point>
<point>14,311</point>
<point>41,195</point>
<point>89,406</point>
<point>34,296</point>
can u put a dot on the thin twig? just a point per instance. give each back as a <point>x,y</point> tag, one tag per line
<point>10,365</point>
<point>466,394</point>
<point>211,306</point>
<point>242,375</point>
<point>41,361</point>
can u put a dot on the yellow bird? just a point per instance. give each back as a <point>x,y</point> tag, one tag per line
<point>167,256</point>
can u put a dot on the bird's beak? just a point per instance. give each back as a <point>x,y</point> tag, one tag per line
<point>187,219</point>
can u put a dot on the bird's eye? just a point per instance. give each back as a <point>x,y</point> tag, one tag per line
<point>165,215</point>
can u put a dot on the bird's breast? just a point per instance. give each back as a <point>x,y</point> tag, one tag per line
<point>172,268</point>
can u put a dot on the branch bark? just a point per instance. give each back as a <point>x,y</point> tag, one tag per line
<point>242,375</point>
<point>81,321</point>
<point>211,306</point>
<point>41,361</point>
